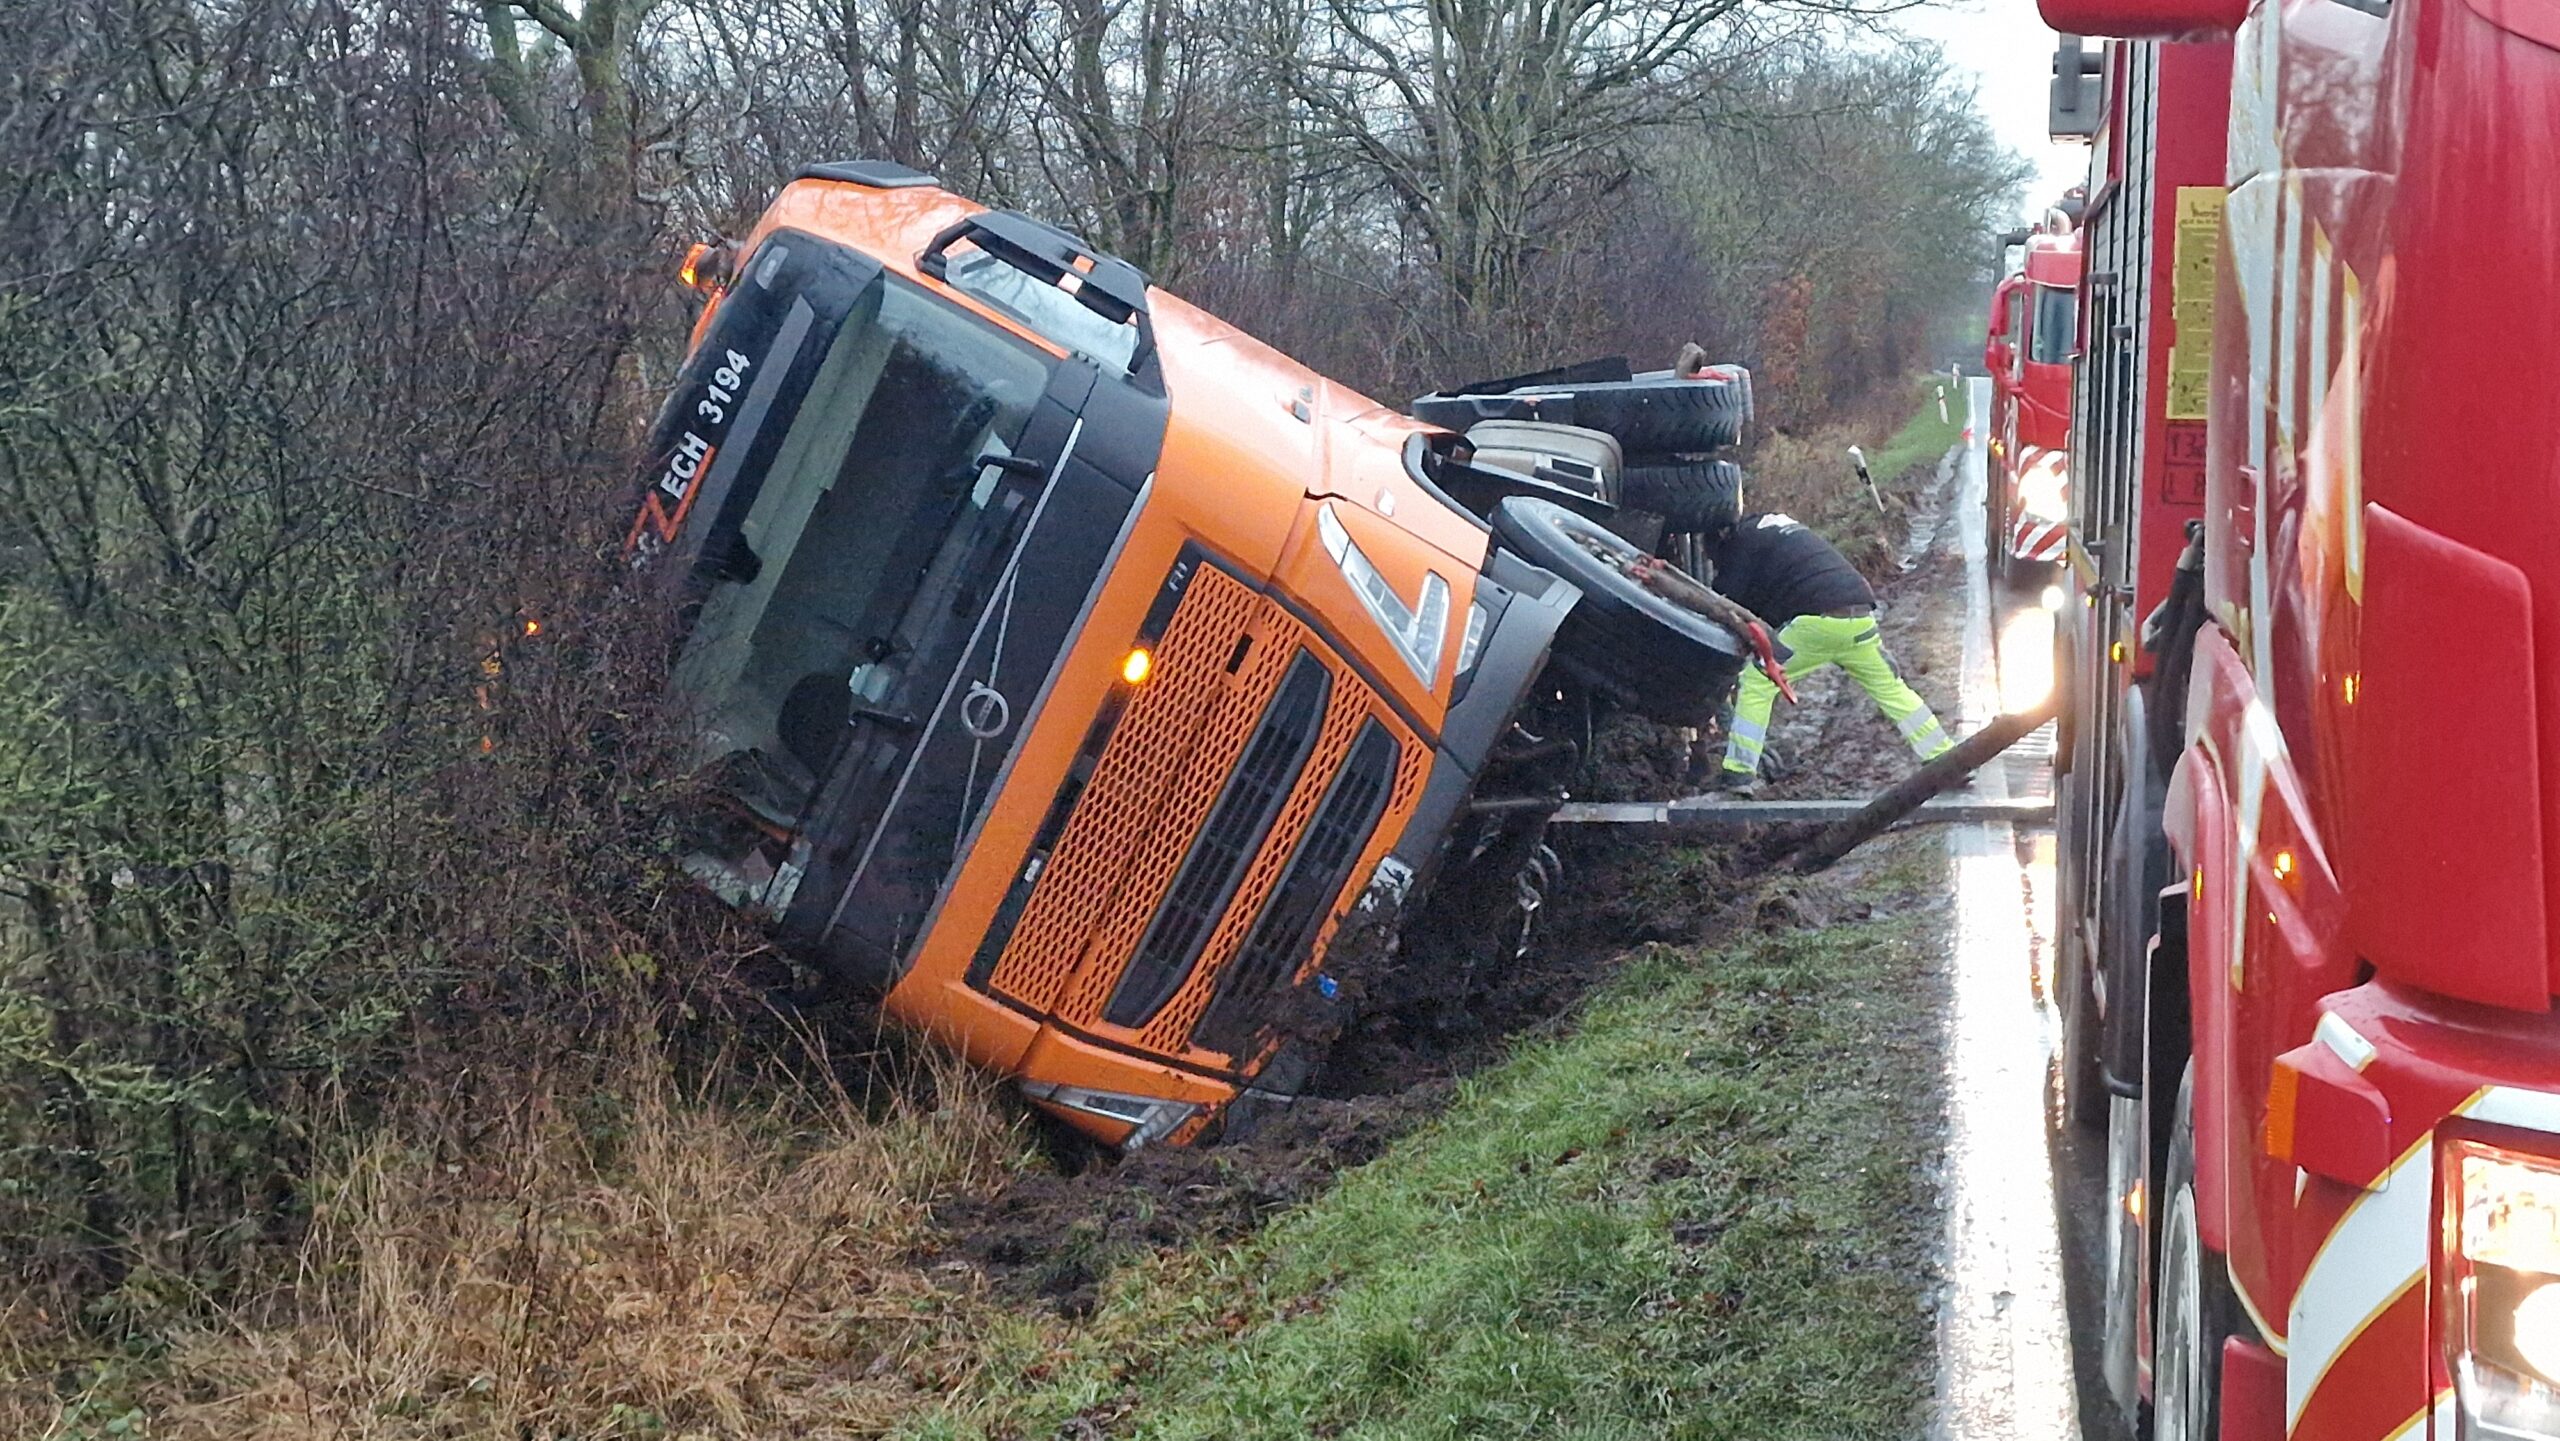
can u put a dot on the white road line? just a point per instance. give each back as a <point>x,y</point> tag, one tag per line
<point>2004,1367</point>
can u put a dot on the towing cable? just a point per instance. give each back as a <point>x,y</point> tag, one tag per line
<point>1684,590</point>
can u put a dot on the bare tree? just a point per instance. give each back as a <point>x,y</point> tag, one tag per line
<point>1127,86</point>
<point>599,38</point>
<point>1489,123</point>
<point>1848,219</point>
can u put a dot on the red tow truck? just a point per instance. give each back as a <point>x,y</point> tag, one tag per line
<point>2034,326</point>
<point>2307,863</point>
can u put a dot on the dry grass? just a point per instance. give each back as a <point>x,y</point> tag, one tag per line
<point>1806,473</point>
<point>664,1265</point>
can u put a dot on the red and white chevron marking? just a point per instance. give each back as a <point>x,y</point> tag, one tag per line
<point>2038,540</point>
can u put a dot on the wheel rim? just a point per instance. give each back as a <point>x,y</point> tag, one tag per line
<point>1597,560</point>
<point>1603,546</point>
<point>2177,1368</point>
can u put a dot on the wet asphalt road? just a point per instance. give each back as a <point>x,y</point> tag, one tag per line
<point>2021,1280</point>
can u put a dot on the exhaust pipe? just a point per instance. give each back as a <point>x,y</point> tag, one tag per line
<point>2006,241</point>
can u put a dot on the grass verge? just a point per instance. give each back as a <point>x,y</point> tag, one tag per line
<point>1706,1212</point>
<point>1924,437</point>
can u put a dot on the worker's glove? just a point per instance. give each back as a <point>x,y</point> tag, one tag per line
<point>1772,654</point>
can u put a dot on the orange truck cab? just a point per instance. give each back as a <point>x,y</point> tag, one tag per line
<point>1077,672</point>
<point>2033,335</point>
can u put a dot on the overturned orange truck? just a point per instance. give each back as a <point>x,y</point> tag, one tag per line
<point>1073,669</point>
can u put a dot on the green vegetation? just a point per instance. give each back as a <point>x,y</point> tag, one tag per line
<point>1923,438</point>
<point>340,797</point>
<point>1701,1214</point>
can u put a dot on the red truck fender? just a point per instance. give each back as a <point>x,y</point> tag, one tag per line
<point>2199,821</point>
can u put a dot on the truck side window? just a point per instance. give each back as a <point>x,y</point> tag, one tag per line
<point>1046,308</point>
<point>2057,319</point>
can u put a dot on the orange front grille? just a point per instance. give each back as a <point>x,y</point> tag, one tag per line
<point>1152,792</point>
<point>1170,1031</point>
<point>1121,846</point>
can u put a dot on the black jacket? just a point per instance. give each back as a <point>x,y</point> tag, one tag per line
<point>1775,568</point>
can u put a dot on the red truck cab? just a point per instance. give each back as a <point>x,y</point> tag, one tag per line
<point>2034,333</point>
<point>2309,859</point>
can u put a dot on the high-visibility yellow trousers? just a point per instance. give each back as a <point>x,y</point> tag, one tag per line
<point>1856,645</point>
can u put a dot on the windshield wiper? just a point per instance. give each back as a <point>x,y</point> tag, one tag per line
<point>1021,465</point>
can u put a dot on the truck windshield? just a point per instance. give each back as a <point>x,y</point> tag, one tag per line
<point>2057,317</point>
<point>873,492</point>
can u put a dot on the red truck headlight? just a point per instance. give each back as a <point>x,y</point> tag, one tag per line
<point>2499,1293</point>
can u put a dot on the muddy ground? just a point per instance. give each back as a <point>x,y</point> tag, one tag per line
<point>1055,1234</point>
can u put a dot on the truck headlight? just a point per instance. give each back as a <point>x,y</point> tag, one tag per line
<point>1419,631</point>
<point>1471,644</point>
<point>2045,490</point>
<point>2500,1292</point>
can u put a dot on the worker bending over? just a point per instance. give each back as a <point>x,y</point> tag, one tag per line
<point>1825,613</point>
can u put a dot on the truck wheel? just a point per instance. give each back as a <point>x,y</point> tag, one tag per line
<point>2193,1296</point>
<point>1622,640</point>
<point>2084,1089</point>
<point>1663,413</point>
<point>1689,495</point>
<point>1654,414</point>
<point>2127,1258</point>
<point>2136,868</point>
<point>2066,684</point>
<point>1995,541</point>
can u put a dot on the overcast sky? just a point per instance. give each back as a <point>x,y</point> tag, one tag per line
<point>2004,44</point>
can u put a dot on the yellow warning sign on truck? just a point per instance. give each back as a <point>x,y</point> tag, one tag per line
<point>2199,235</point>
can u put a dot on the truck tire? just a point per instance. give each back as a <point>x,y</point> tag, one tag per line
<point>2192,1295</point>
<point>1995,533</point>
<point>1689,495</point>
<point>2066,724</point>
<point>2138,868</point>
<point>1658,414</point>
<point>1622,640</point>
<point>2081,944</point>
<point>2084,1087</point>
<point>1662,413</point>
